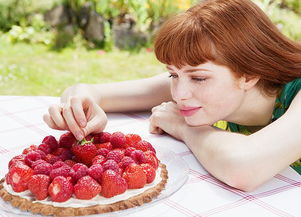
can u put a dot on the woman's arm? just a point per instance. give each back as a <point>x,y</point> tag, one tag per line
<point>83,106</point>
<point>134,95</point>
<point>246,162</point>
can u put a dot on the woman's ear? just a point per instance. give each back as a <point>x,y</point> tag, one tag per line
<point>246,82</point>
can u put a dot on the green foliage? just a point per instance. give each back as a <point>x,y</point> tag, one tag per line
<point>18,12</point>
<point>108,41</point>
<point>28,35</point>
<point>294,5</point>
<point>286,20</point>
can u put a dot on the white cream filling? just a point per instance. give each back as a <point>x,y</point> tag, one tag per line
<point>98,200</point>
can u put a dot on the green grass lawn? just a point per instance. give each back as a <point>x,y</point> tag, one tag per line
<point>35,70</point>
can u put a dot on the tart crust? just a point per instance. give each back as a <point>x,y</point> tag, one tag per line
<point>45,209</point>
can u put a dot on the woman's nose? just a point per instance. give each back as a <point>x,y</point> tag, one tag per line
<point>181,91</point>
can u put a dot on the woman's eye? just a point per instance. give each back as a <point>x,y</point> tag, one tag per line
<point>172,76</point>
<point>199,79</point>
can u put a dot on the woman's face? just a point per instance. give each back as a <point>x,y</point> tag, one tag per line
<point>205,93</point>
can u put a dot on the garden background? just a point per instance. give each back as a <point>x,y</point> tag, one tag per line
<point>48,45</point>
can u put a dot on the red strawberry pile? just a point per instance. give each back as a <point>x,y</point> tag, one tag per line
<point>103,163</point>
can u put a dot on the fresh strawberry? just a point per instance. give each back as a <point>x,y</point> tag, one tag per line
<point>61,171</point>
<point>103,151</point>
<point>111,165</point>
<point>132,139</point>
<point>70,162</point>
<point>29,149</point>
<point>99,159</point>
<point>58,164</point>
<point>43,168</point>
<point>63,153</point>
<point>44,148</point>
<point>8,176</point>
<point>125,162</point>
<point>115,155</point>
<point>67,140</point>
<point>78,171</point>
<point>106,145</point>
<point>86,188</point>
<point>15,159</point>
<point>142,145</point>
<point>118,140</point>
<point>32,157</point>
<point>34,164</point>
<point>128,151</point>
<point>134,176</point>
<point>89,138</point>
<point>19,176</point>
<point>151,159</point>
<point>138,156</point>
<point>50,158</point>
<point>112,184</point>
<point>150,172</point>
<point>121,150</point>
<point>84,151</point>
<point>43,155</point>
<point>38,186</point>
<point>60,189</point>
<point>151,148</point>
<point>102,137</point>
<point>51,141</point>
<point>95,171</point>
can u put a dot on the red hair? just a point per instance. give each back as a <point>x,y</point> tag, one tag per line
<point>234,33</point>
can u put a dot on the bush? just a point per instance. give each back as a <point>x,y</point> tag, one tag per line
<point>286,20</point>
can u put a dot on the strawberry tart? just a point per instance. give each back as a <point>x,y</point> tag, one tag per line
<point>102,173</point>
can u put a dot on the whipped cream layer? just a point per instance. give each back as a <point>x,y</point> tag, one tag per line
<point>98,200</point>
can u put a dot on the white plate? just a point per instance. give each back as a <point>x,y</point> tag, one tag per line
<point>177,176</point>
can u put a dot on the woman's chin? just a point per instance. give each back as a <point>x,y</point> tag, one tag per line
<point>194,123</point>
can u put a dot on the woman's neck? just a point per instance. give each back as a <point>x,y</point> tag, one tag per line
<point>255,111</point>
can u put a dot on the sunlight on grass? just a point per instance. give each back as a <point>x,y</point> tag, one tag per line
<point>34,70</point>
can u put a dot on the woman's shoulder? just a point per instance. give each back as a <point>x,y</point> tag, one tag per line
<point>286,97</point>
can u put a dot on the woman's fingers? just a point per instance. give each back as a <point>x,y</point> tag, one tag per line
<point>55,113</point>
<point>71,122</point>
<point>97,122</point>
<point>48,120</point>
<point>156,130</point>
<point>78,111</point>
<point>153,128</point>
<point>80,116</point>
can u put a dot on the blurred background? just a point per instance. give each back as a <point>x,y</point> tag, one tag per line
<point>48,45</point>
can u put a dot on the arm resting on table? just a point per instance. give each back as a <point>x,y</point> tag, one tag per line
<point>246,162</point>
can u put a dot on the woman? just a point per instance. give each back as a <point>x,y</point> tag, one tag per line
<point>232,96</point>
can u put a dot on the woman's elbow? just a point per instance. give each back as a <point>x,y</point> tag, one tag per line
<point>241,182</point>
<point>243,177</point>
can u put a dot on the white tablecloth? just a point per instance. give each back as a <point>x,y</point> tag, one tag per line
<point>202,195</point>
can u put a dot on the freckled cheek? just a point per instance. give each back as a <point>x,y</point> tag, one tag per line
<point>215,99</point>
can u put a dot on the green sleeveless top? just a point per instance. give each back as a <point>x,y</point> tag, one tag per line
<point>283,101</point>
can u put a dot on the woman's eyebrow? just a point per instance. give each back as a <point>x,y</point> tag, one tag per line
<point>189,70</point>
<point>196,70</point>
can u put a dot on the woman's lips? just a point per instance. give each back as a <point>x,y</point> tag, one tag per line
<point>189,111</point>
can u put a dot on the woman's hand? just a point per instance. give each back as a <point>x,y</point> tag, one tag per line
<point>80,115</point>
<point>167,118</point>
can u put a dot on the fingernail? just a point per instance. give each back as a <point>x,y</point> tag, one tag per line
<point>79,136</point>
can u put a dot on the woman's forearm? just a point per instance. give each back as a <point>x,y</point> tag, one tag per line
<point>134,95</point>
<point>222,154</point>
